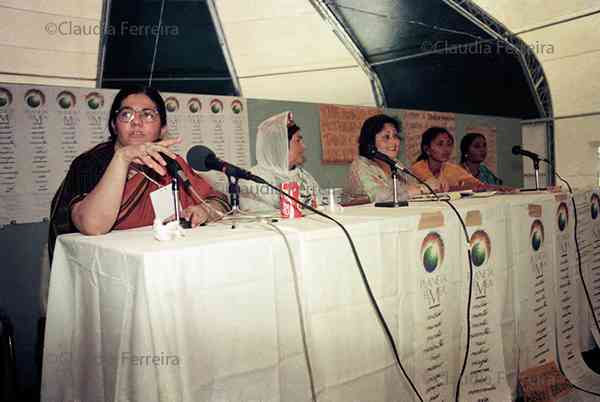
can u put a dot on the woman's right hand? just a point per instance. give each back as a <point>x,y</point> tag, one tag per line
<point>148,154</point>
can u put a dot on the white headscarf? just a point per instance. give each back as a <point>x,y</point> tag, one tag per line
<point>272,148</point>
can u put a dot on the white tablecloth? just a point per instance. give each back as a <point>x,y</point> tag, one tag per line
<point>262,312</point>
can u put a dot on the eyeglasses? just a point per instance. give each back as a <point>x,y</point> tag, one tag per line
<point>127,114</point>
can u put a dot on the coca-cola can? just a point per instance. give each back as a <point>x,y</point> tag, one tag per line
<point>289,208</point>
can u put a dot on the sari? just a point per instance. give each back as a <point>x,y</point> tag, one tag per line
<point>136,206</point>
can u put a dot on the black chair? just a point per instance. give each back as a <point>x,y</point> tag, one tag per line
<point>8,365</point>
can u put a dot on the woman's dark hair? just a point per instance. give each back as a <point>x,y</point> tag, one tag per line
<point>150,92</point>
<point>292,129</point>
<point>427,138</point>
<point>465,144</point>
<point>372,126</point>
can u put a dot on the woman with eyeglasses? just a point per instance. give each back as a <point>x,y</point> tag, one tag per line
<point>109,186</point>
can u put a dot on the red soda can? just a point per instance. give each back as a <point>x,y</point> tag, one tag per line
<point>289,208</point>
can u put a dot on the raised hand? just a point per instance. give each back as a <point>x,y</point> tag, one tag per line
<point>148,154</point>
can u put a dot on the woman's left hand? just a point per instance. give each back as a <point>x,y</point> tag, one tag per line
<point>196,215</point>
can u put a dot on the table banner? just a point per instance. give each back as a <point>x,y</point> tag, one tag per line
<point>565,287</point>
<point>593,262</point>
<point>584,239</point>
<point>435,274</point>
<point>532,230</point>
<point>486,377</point>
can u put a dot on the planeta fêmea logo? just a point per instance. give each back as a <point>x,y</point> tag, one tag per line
<point>432,252</point>
<point>194,105</point>
<point>536,235</point>
<point>66,100</point>
<point>481,248</point>
<point>5,97</point>
<point>35,98</point>
<point>562,216</point>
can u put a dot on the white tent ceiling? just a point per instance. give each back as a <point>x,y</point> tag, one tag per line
<point>566,39</point>
<point>282,49</point>
<point>40,42</point>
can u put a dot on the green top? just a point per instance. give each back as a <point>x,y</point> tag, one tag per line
<point>486,176</point>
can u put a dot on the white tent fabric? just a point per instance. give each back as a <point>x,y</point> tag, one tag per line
<point>282,49</point>
<point>51,43</point>
<point>569,50</point>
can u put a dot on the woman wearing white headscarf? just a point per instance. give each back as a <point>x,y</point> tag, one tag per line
<point>279,156</point>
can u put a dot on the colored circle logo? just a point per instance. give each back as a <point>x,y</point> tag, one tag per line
<point>216,106</point>
<point>237,107</point>
<point>5,97</point>
<point>536,235</point>
<point>172,104</point>
<point>595,206</point>
<point>94,100</point>
<point>432,252</point>
<point>481,248</point>
<point>194,105</point>
<point>34,98</point>
<point>562,216</point>
<point>66,100</point>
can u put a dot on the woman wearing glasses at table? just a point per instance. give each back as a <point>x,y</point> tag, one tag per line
<point>109,186</point>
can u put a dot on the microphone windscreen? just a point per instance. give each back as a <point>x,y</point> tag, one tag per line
<point>516,150</point>
<point>197,157</point>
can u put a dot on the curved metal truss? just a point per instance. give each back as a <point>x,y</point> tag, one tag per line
<point>531,66</point>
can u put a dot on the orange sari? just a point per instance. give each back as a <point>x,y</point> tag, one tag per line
<point>453,174</point>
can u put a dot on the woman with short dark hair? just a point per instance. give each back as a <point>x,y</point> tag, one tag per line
<point>370,177</point>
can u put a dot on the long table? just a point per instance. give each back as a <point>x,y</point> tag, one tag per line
<point>277,311</point>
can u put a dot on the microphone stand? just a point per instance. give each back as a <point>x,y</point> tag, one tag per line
<point>536,169</point>
<point>175,191</point>
<point>394,203</point>
<point>236,213</point>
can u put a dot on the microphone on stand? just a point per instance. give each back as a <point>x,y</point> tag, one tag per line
<point>173,169</point>
<point>384,158</point>
<point>517,150</point>
<point>395,167</point>
<point>202,158</point>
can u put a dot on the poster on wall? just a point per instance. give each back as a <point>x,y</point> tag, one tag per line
<point>340,129</point>
<point>414,124</point>
<point>43,128</point>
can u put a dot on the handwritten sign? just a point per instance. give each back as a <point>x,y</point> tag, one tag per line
<point>340,129</point>
<point>416,122</point>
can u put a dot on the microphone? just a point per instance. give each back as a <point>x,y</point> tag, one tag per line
<point>202,158</point>
<point>174,169</point>
<point>374,153</point>
<point>517,150</point>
